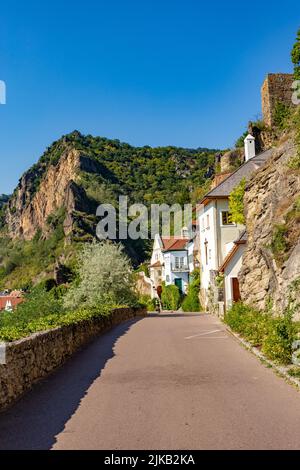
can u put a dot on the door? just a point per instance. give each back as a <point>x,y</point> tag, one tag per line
<point>178,283</point>
<point>236,296</point>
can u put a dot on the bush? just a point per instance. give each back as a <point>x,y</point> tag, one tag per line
<point>191,301</point>
<point>252,325</point>
<point>282,113</point>
<point>274,335</point>
<point>278,343</point>
<point>170,297</point>
<point>149,303</point>
<point>104,277</point>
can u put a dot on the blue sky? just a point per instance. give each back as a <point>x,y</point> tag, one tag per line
<point>160,72</point>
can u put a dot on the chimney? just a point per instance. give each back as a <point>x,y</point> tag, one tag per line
<point>249,147</point>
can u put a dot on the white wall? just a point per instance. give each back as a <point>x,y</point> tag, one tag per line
<point>232,269</point>
<point>219,238</point>
<point>190,254</point>
<point>170,276</point>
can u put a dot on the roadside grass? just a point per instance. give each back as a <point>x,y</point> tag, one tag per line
<point>272,335</point>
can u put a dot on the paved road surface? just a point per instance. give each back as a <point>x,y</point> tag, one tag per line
<point>174,381</point>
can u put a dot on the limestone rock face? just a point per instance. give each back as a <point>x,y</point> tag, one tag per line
<point>269,198</point>
<point>27,211</point>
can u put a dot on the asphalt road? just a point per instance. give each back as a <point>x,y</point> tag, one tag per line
<point>163,382</point>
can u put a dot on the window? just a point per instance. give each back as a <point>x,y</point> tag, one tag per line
<point>179,262</point>
<point>226,218</point>
<point>191,258</point>
<point>205,251</point>
<point>167,278</point>
<point>207,221</point>
<point>209,254</point>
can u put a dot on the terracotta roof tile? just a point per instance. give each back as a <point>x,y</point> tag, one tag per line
<point>174,243</point>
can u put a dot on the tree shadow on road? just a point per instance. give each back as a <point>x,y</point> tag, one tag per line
<point>41,414</point>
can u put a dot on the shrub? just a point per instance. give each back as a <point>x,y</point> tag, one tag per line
<point>295,56</point>
<point>104,277</point>
<point>282,112</point>
<point>277,345</point>
<point>170,297</point>
<point>294,372</point>
<point>274,334</point>
<point>191,301</point>
<point>279,242</point>
<point>251,324</point>
<point>149,303</point>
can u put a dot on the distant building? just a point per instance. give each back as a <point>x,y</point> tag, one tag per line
<point>169,263</point>
<point>8,301</point>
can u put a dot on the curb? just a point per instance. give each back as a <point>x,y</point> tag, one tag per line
<point>281,370</point>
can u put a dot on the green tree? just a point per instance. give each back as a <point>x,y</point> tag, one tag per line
<point>236,203</point>
<point>295,55</point>
<point>104,277</point>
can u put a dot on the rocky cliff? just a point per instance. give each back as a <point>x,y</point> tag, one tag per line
<point>28,212</point>
<point>271,263</point>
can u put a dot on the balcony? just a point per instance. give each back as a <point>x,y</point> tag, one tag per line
<point>183,268</point>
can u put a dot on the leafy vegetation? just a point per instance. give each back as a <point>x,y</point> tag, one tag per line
<point>282,113</point>
<point>286,235</point>
<point>191,300</point>
<point>21,262</point>
<point>104,276</point>
<point>274,335</point>
<point>42,311</point>
<point>295,55</point>
<point>103,281</point>
<point>149,303</point>
<point>147,175</point>
<point>170,297</point>
<point>236,203</point>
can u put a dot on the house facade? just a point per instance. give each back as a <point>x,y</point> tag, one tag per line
<point>230,269</point>
<point>218,233</point>
<point>169,263</point>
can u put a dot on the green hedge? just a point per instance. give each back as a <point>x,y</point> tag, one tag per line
<point>191,301</point>
<point>41,311</point>
<point>170,297</point>
<point>274,335</point>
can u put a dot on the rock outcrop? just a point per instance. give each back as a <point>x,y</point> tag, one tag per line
<point>28,211</point>
<point>267,275</point>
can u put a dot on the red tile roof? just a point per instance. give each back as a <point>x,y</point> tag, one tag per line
<point>174,243</point>
<point>8,298</point>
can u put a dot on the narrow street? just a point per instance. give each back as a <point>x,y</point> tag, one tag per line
<point>174,381</point>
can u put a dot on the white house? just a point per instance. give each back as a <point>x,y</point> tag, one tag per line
<point>230,269</point>
<point>217,232</point>
<point>169,263</point>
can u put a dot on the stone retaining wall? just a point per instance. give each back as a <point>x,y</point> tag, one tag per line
<point>30,359</point>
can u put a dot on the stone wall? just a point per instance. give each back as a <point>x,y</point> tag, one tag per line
<point>276,88</point>
<point>30,359</point>
<point>269,199</point>
<point>231,160</point>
